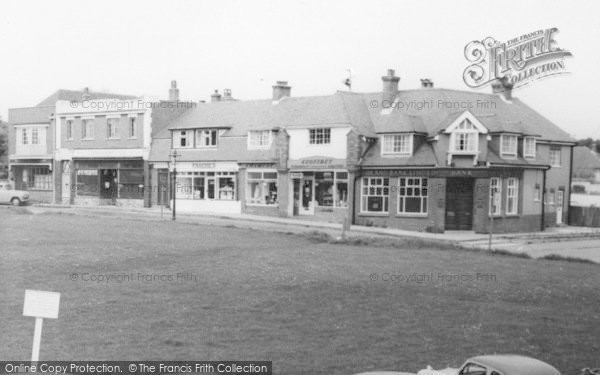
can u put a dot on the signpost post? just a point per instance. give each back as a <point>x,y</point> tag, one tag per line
<point>40,305</point>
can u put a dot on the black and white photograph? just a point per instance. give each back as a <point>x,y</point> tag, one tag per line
<point>300,187</point>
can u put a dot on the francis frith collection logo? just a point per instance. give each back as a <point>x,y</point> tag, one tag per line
<point>521,60</point>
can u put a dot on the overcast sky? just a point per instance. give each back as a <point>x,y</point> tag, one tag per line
<point>139,47</point>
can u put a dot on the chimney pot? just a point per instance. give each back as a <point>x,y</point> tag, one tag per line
<point>86,94</point>
<point>390,88</point>
<point>173,92</point>
<point>426,83</point>
<point>215,97</point>
<point>281,90</point>
<point>503,86</point>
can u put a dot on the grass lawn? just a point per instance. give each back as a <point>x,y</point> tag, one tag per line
<point>309,307</point>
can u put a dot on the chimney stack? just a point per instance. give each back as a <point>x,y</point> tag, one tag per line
<point>281,90</point>
<point>390,88</point>
<point>215,97</point>
<point>173,92</point>
<point>227,95</point>
<point>86,94</point>
<point>426,83</point>
<point>503,87</point>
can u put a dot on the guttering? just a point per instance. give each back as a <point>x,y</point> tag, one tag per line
<point>570,182</point>
<point>543,221</point>
<point>371,142</point>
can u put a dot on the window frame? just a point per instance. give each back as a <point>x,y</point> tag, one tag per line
<point>112,128</point>
<point>200,137</point>
<point>132,125</point>
<point>527,152</point>
<point>469,130</point>
<point>385,151</point>
<point>511,153</point>
<point>514,195</point>
<point>69,129</point>
<point>558,151</point>
<point>316,139</point>
<point>497,203</point>
<point>87,129</point>
<point>24,137</point>
<point>364,198</point>
<point>424,199</point>
<point>177,137</point>
<point>264,181</point>
<point>252,145</point>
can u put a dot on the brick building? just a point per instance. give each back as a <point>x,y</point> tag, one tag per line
<point>425,159</point>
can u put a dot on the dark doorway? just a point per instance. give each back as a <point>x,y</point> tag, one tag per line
<point>163,188</point>
<point>108,186</point>
<point>459,204</point>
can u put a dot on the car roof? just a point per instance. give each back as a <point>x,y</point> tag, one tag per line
<point>511,364</point>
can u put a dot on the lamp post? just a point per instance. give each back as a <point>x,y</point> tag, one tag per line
<point>174,155</point>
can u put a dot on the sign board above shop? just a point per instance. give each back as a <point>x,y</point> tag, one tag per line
<point>316,163</point>
<point>446,172</point>
<point>199,166</point>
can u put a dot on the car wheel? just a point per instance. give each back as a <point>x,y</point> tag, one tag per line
<point>15,202</point>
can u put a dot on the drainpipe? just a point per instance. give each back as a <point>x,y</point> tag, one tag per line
<point>544,201</point>
<point>569,187</point>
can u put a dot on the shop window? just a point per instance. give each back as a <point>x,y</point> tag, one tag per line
<point>512,196</point>
<point>495,196</point>
<point>412,196</point>
<point>508,145</point>
<point>183,188</point>
<point>226,188</point>
<point>211,188</point>
<point>198,188</point>
<point>88,182</point>
<point>206,138</point>
<point>262,188</point>
<point>324,189</point>
<point>319,136</point>
<point>375,194</point>
<point>131,183</point>
<point>37,178</point>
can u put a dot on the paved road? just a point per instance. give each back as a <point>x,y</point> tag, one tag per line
<point>585,248</point>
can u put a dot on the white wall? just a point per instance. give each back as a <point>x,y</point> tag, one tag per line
<point>301,148</point>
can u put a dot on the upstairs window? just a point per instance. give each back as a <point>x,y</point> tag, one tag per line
<point>508,145</point>
<point>320,136</point>
<point>555,156</point>
<point>132,127</point>
<point>206,138</point>
<point>529,147</point>
<point>69,129</point>
<point>112,128</point>
<point>397,144</point>
<point>183,139</point>
<point>465,137</point>
<point>259,139</point>
<point>87,129</point>
<point>24,138</point>
<point>35,136</point>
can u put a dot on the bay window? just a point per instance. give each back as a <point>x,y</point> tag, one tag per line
<point>375,194</point>
<point>262,187</point>
<point>412,195</point>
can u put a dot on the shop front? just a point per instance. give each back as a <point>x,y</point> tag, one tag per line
<point>35,176</point>
<point>207,187</point>
<point>107,182</point>
<point>319,188</point>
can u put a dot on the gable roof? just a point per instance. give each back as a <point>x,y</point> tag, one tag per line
<point>76,95</point>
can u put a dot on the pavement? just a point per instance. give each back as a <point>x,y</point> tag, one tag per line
<point>565,241</point>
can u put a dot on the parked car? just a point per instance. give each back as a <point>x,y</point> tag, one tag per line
<point>488,365</point>
<point>12,196</point>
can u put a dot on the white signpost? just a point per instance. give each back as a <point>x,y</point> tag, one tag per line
<point>40,305</point>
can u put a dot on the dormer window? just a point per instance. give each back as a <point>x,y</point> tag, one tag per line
<point>464,138</point>
<point>206,138</point>
<point>183,139</point>
<point>508,145</point>
<point>529,147</point>
<point>259,139</point>
<point>319,136</point>
<point>397,144</point>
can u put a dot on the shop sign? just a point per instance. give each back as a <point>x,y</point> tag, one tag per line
<point>203,165</point>
<point>445,172</point>
<point>296,175</point>
<point>317,163</point>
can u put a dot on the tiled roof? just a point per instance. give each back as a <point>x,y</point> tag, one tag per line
<point>77,95</point>
<point>423,156</point>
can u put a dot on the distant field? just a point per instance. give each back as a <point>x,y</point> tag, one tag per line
<point>311,308</point>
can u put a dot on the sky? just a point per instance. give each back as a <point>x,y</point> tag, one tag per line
<point>139,47</point>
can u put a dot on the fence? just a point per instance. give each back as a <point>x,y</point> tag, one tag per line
<point>584,216</point>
